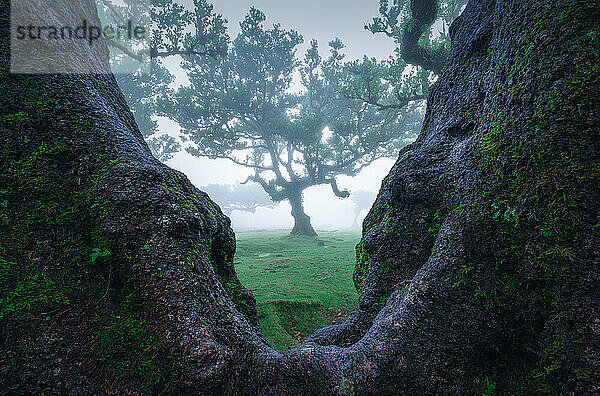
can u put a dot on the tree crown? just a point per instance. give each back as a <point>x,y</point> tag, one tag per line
<point>294,132</point>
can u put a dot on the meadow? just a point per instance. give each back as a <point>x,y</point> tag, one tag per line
<point>300,283</point>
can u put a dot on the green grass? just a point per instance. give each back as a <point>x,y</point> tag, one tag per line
<point>300,283</point>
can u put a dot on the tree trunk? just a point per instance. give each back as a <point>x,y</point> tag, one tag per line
<point>479,263</point>
<point>302,224</point>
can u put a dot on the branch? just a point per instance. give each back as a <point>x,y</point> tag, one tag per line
<point>275,163</point>
<point>255,146</point>
<point>154,53</point>
<point>288,164</point>
<point>423,15</point>
<point>339,168</point>
<point>402,101</point>
<point>198,153</point>
<point>275,194</point>
<point>247,164</point>
<point>113,11</point>
<point>456,9</point>
<point>137,56</point>
<point>336,190</point>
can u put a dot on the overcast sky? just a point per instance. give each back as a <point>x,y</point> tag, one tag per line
<point>323,20</point>
<point>320,19</point>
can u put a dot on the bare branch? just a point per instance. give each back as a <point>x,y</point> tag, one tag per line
<point>137,56</point>
<point>336,190</point>
<point>275,194</point>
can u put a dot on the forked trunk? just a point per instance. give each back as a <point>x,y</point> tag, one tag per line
<point>479,256</point>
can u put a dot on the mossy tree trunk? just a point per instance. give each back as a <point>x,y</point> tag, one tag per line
<point>478,266</point>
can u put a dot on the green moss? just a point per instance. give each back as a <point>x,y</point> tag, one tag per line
<point>286,323</point>
<point>536,189</point>
<point>56,263</point>
<point>128,346</point>
<point>16,118</point>
<point>278,267</point>
<point>361,267</point>
<point>27,290</point>
<point>436,222</point>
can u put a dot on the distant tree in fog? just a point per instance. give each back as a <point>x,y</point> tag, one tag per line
<point>362,200</point>
<point>245,198</point>
<point>243,108</point>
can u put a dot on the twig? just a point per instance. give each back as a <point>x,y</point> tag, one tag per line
<point>107,286</point>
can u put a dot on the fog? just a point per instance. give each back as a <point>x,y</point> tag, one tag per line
<point>322,20</point>
<point>327,211</point>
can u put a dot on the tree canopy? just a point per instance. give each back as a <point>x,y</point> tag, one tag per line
<point>296,121</point>
<point>293,132</point>
<point>173,30</point>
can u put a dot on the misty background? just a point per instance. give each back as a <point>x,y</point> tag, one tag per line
<point>321,20</point>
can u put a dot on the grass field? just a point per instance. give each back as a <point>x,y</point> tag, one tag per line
<point>300,283</point>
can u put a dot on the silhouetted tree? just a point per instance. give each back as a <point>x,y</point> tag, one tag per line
<point>245,198</point>
<point>362,200</point>
<point>242,108</point>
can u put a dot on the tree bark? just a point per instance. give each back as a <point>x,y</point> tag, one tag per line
<point>480,255</point>
<point>302,224</point>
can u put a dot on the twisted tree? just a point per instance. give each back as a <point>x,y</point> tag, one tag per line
<point>242,108</point>
<point>477,270</point>
<point>409,23</point>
